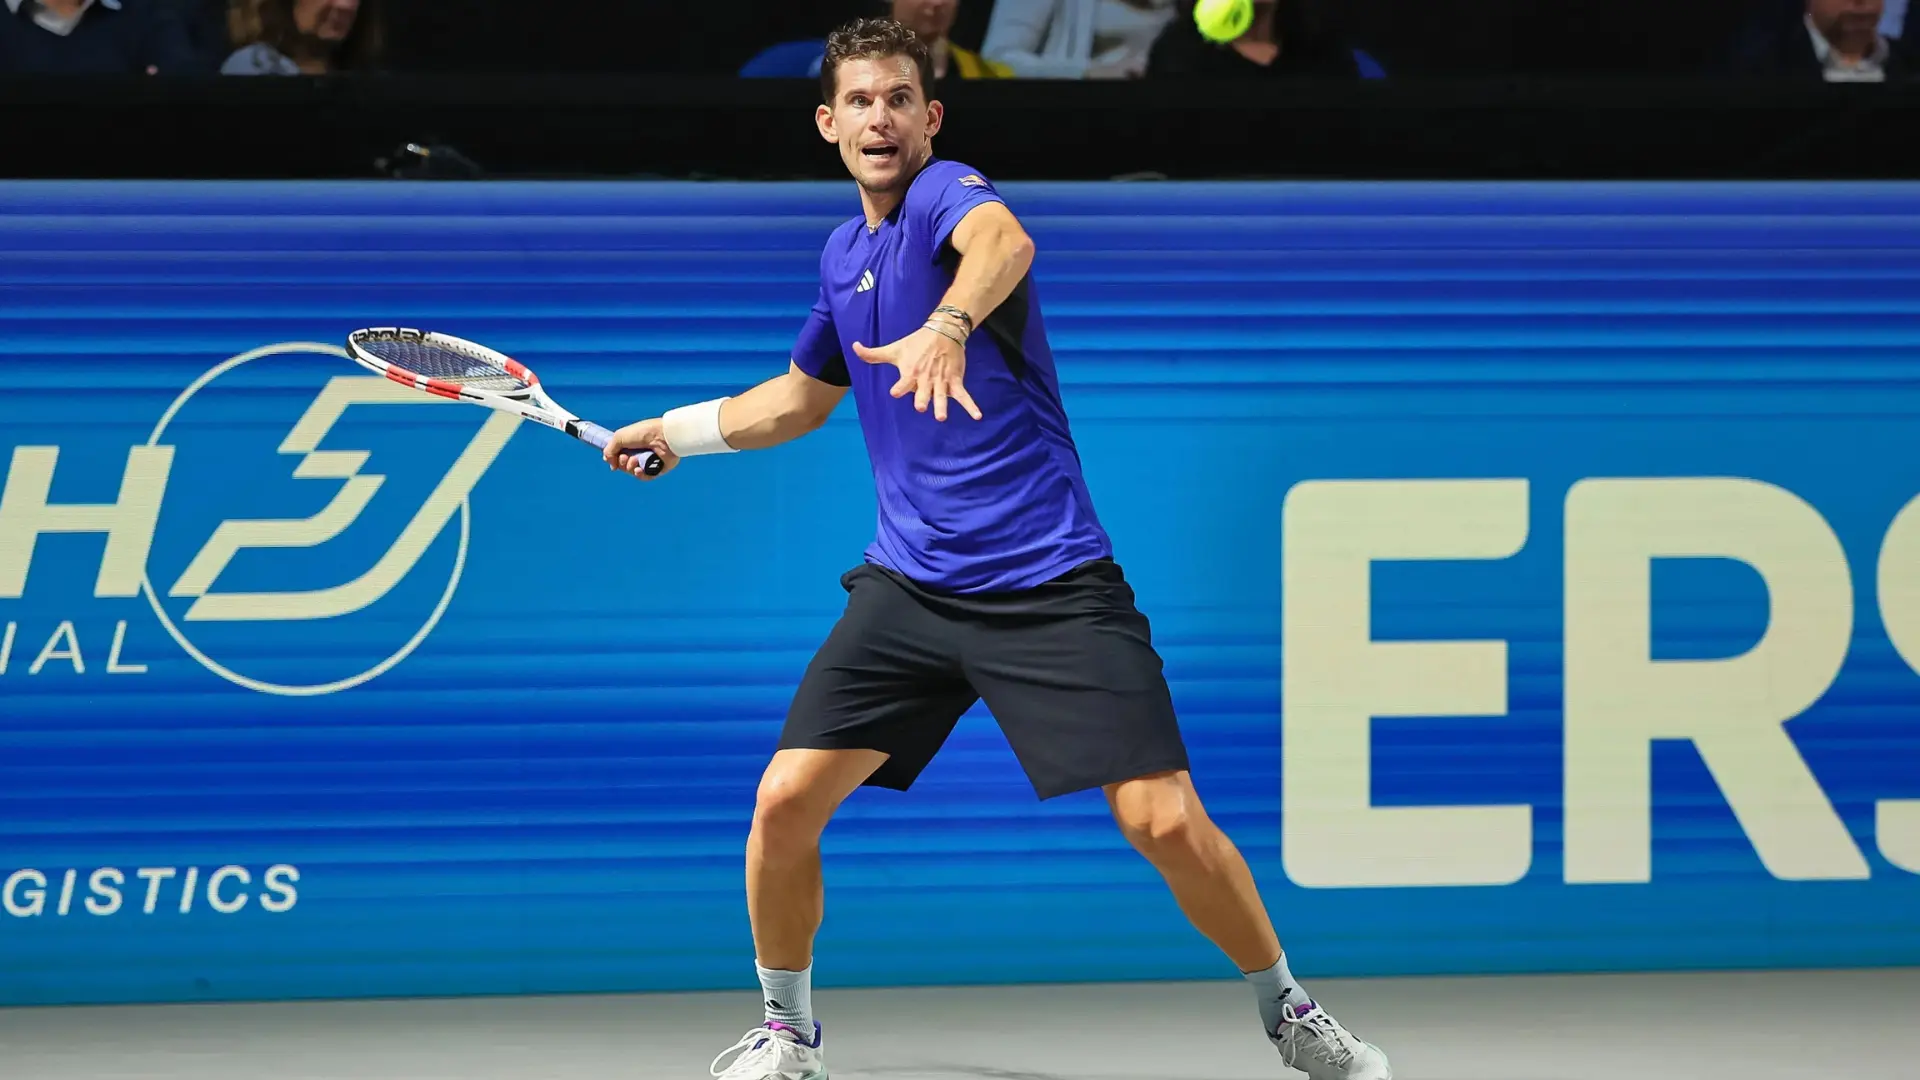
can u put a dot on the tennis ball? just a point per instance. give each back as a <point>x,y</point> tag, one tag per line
<point>1223,20</point>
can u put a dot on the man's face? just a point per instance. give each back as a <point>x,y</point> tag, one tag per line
<point>328,20</point>
<point>881,120</point>
<point>931,19</point>
<point>1844,21</point>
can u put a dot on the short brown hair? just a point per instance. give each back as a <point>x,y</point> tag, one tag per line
<point>873,39</point>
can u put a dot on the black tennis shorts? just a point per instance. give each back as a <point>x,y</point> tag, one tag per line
<point>1068,669</point>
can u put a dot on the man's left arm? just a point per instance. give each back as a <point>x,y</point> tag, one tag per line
<point>995,255</point>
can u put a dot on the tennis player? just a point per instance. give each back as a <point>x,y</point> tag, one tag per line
<point>990,576</point>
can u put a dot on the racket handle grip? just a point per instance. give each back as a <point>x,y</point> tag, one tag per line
<point>598,437</point>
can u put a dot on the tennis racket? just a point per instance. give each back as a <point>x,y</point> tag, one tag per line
<point>450,367</point>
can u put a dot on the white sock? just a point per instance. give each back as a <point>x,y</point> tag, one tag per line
<point>789,998</point>
<point>1275,987</point>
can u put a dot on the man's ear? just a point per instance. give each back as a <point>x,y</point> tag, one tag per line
<point>936,112</point>
<point>823,119</point>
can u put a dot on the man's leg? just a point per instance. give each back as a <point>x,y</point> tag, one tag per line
<point>786,898</point>
<point>1071,674</point>
<point>1162,817</point>
<point>875,705</point>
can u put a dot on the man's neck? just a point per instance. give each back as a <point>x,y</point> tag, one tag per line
<point>878,204</point>
<point>1854,52</point>
<point>1852,49</point>
<point>66,9</point>
<point>942,54</point>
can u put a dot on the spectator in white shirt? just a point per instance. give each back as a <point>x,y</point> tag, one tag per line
<point>1077,39</point>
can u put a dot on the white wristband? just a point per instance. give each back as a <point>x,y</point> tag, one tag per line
<point>695,429</point>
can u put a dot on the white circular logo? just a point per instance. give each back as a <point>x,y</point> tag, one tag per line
<point>288,539</point>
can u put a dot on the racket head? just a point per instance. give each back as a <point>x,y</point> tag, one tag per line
<point>442,364</point>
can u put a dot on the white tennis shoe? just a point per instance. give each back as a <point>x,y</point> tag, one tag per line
<point>773,1051</point>
<point>1317,1044</point>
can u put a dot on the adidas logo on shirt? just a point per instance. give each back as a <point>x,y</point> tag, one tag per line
<point>866,282</point>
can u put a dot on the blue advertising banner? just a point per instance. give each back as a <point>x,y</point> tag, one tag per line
<point>1537,570</point>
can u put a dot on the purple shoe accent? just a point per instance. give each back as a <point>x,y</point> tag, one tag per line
<point>814,1044</point>
<point>1300,1012</point>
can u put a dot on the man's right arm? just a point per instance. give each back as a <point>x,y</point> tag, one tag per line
<point>779,410</point>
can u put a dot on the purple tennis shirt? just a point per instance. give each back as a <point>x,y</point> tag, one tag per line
<point>966,506</point>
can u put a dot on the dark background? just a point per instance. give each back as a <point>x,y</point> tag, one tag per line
<point>1571,89</point>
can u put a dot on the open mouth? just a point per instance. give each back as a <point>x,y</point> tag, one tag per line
<point>880,152</point>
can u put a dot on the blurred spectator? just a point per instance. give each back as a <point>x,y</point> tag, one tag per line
<point>1281,41</point>
<point>1847,43</point>
<point>304,37</point>
<point>1834,40</point>
<point>931,19</point>
<point>94,37</point>
<point>1077,39</point>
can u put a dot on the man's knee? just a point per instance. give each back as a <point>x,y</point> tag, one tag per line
<point>790,807</point>
<point>800,791</point>
<point>1161,815</point>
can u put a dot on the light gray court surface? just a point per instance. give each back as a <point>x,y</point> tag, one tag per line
<point>1736,1026</point>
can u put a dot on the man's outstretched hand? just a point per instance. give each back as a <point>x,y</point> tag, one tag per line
<point>932,368</point>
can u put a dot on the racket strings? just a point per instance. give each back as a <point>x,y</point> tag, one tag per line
<point>445,362</point>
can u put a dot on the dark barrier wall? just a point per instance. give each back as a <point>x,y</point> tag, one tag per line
<point>1537,570</point>
<point>698,128</point>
